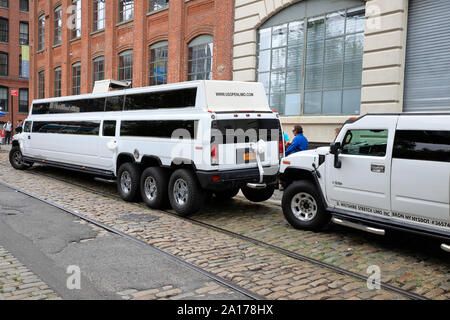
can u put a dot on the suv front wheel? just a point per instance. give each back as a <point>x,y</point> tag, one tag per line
<point>303,207</point>
<point>16,159</point>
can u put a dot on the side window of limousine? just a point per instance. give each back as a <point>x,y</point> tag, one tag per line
<point>425,145</point>
<point>109,128</point>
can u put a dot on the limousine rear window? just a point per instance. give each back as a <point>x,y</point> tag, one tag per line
<point>234,131</point>
<point>181,98</point>
<point>67,127</point>
<point>159,128</point>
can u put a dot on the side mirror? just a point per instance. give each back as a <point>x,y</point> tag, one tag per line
<point>335,148</point>
<point>19,130</point>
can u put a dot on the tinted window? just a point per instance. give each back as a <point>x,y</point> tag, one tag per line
<point>365,142</point>
<point>114,103</point>
<point>27,126</point>
<point>160,100</point>
<point>422,145</point>
<point>109,128</point>
<point>156,128</point>
<point>67,127</point>
<point>75,106</point>
<point>248,130</point>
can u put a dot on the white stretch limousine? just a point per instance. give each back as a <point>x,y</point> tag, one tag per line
<point>173,143</point>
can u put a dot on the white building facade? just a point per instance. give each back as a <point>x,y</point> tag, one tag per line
<point>322,62</point>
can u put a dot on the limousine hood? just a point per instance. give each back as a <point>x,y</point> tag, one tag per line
<point>234,96</point>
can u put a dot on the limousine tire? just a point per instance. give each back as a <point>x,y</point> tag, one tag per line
<point>226,194</point>
<point>128,181</point>
<point>258,195</point>
<point>16,159</point>
<point>185,193</point>
<point>154,184</point>
<point>303,207</point>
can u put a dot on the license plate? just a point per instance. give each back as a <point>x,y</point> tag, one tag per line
<point>249,156</point>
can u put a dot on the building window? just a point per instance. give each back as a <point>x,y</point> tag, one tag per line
<point>99,69</point>
<point>158,63</point>
<point>57,26</point>
<point>200,58</point>
<point>4,105</point>
<point>23,100</point>
<point>126,10</point>
<point>41,33</point>
<point>24,37</point>
<point>57,82</point>
<point>126,65</point>
<point>3,64</point>
<point>24,6</point>
<point>76,78</point>
<point>99,15</point>
<point>76,19</point>
<point>156,5</point>
<point>4,30</point>
<point>314,65</point>
<point>4,4</point>
<point>41,85</point>
<point>20,67</point>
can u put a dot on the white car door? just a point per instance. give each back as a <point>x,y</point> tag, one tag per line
<point>421,169</point>
<point>362,183</point>
<point>108,144</point>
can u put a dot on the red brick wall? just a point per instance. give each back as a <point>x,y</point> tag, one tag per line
<point>179,24</point>
<point>12,81</point>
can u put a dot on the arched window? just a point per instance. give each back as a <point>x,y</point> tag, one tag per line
<point>158,63</point>
<point>99,69</point>
<point>126,65</point>
<point>57,82</point>
<point>3,64</point>
<point>200,58</point>
<point>310,58</point>
<point>76,78</point>
<point>98,15</point>
<point>4,99</point>
<point>4,30</point>
<point>126,10</point>
<point>41,85</point>
<point>57,21</point>
<point>41,33</point>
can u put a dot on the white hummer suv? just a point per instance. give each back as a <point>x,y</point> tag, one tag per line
<point>382,172</point>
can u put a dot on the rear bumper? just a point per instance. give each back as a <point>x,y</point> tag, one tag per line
<point>222,180</point>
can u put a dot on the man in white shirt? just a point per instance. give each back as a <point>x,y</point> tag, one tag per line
<point>8,131</point>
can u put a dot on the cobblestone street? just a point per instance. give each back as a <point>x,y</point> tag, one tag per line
<point>406,262</point>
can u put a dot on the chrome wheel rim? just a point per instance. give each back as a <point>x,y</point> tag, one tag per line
<point>150,188</point>
<point>180,192</point>
<point>125,182</point>
<point>304,206</point>
<point>17,157</point>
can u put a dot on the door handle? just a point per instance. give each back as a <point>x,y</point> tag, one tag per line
<point>377,168</point>
<point>29,137</point>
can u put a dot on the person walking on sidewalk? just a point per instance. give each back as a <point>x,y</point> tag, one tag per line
<point>8,131</point>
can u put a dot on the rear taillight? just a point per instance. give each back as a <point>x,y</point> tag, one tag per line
<point>281,148</point>
<point>214,154</point>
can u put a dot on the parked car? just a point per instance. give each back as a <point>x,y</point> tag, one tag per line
<point>386,171</point>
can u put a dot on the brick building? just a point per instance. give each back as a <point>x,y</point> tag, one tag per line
<point>14,38</point>
<point>75,42</point>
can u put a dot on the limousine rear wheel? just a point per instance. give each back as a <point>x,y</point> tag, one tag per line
<point>128,181</point>
<point>185,194</point>
<point>154,184</point>
<point>16,159</point>
<point>303,207</point>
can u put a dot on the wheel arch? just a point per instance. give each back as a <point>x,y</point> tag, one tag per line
<point>123,158</point>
